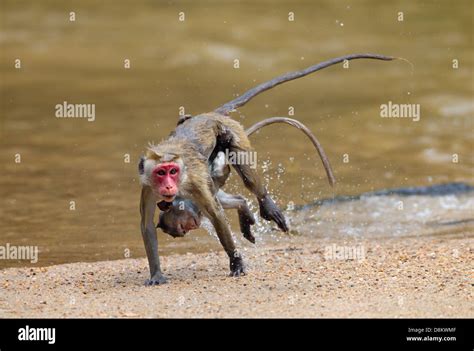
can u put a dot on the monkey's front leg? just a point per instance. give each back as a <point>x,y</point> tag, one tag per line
<point>246,219</point>
<point>213,211</point>
<point>147,212</point>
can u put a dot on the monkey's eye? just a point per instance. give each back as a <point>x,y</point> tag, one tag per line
<point>173,171</point>
<point>161,172</point>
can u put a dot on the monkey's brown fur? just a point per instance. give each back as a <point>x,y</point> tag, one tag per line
<point>190,146</point>
<point>182,214</point>
<point>193,141</point>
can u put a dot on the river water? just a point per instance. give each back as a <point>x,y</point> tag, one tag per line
<point>67,185</point>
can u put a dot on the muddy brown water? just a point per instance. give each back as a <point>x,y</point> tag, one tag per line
<point>191,64</point>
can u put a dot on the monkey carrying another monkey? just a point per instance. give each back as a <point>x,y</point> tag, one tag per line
<point>183,165</point>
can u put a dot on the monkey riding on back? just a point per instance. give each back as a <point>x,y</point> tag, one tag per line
<point>187,170</point>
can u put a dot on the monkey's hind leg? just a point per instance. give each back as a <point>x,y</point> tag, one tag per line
<point>212,209</point>
<point>268,209</point>
<point>235,140</point>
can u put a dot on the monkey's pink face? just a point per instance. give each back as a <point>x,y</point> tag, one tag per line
<point>165,180</point>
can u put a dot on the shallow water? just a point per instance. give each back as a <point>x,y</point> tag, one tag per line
<point>394,216</point>
<point>190,64</point>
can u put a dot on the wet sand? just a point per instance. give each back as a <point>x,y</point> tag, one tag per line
<point>414,277</point>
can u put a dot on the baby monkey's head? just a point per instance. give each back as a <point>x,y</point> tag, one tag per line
<point>179,218</point>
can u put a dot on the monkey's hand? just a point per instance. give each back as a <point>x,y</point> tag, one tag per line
<point>157,279</point>
<point>270,212</point>
<point>237,266</point>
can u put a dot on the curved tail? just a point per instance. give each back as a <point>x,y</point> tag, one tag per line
<point>250,94</point>
<point>304,129</point>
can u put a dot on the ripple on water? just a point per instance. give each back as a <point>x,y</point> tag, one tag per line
<point>388,216</point>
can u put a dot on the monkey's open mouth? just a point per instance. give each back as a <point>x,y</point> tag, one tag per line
<point>169,198</point>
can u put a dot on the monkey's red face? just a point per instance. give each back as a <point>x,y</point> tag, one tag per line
<point>166,178</point>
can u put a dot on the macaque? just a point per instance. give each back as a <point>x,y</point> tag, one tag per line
<point>183,215</point>
<point>179,166</point>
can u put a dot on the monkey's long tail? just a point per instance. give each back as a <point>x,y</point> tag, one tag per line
<point>304,129</point>
<point>250,94</point>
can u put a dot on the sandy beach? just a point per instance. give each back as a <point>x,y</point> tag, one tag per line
<point>415,277</point>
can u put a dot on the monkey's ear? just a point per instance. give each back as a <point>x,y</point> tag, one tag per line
<point>183,118</point>
<point>153,155</point>
<point>164,206</point>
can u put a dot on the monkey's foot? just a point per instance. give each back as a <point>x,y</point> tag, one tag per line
<point>237,266</point>
<point>249,236</point>
<point>270,212</point>
<point>157,279</point>
<point>246,220</point>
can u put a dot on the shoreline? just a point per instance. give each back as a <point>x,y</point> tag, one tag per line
<point>405,277</point>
